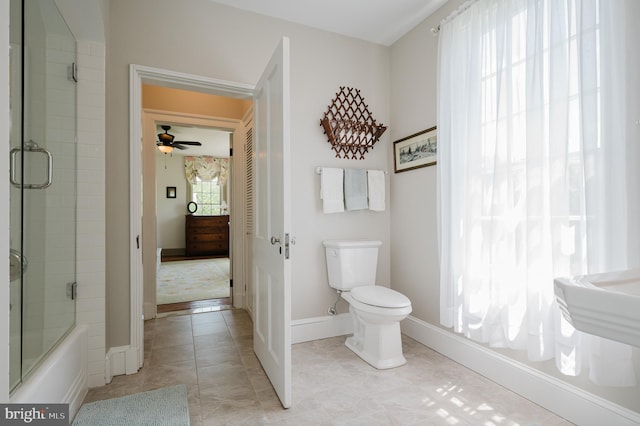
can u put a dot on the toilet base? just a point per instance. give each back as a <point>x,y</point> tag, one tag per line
<point>380,364</point>
<point>376,339</point>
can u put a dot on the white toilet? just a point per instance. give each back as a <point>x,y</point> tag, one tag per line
<point>376,310</point>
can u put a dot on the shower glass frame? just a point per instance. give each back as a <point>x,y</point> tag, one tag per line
<point>43,175</point>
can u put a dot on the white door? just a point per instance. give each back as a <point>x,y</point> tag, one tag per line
<point>271,264</point>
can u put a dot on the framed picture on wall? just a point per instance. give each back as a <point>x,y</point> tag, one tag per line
<point>415,151</point>
<point>171,192</point>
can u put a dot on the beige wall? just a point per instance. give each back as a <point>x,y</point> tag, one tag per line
<point>414,246</point>
<point>176,100</point>
<point>170,212</point>
<point>215,41</point>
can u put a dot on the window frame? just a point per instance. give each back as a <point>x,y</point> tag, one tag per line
<point>207,209</point>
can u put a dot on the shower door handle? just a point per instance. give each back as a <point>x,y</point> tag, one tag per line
<point>31,146</point>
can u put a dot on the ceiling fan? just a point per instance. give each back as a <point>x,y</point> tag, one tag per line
<point>166,143</point>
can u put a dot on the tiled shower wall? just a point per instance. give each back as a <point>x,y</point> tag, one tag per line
<point>90,270</point>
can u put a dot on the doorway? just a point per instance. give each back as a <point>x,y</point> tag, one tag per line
<point>164,233</point>
<point>193,198</point>
<point>142,294</point>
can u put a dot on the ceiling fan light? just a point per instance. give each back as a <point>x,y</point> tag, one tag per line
<point>165,149</point>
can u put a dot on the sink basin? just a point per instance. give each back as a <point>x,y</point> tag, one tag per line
<point>607,305</point>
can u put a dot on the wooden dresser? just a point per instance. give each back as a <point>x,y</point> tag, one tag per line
<point>206,235</point>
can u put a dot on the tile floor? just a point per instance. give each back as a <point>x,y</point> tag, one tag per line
<point>212,354</point>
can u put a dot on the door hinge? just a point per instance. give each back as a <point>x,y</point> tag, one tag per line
<point>286,246</point>
<point>230,152</point>
<point>231,283</point>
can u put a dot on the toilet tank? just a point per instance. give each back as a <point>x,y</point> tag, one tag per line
<point>351,263</point>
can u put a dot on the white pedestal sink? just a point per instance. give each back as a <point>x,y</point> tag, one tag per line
<point>607,305</point>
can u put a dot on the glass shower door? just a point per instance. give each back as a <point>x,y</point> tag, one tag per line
<point>43,183</point>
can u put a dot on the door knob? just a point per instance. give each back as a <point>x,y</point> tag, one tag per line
<point>275,240</point>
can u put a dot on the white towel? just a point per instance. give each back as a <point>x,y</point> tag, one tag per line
<point>331,192</point>
<point>375,179</point>
<point>355,189</point>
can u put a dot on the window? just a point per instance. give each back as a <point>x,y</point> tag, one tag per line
<point>528,157</point>
<point>207,177</point>
<point>531,94</point>
<point>208,197</point>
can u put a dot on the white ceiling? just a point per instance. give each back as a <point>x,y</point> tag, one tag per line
<point>378,21</point>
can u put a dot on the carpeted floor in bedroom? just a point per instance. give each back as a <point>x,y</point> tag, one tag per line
<point>188,280</point>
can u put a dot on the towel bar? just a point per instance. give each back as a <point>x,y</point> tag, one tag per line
<point>319,170</point>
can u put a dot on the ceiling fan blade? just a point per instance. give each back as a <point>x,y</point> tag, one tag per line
<point>189,143</point>
<point>178,146</point>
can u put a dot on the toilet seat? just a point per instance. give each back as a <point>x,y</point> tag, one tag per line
<point>379,296</point>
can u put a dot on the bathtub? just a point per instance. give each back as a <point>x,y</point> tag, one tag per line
<point>62,377</point>
<point>607,305</point>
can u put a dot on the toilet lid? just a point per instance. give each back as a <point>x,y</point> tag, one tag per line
<point>383,297</point>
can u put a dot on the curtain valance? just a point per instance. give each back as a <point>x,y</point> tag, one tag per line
<point>206,168</point>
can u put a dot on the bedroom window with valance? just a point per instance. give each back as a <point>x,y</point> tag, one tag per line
<point>207,177</point>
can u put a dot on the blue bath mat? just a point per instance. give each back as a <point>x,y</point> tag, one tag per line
<point>161,407</point>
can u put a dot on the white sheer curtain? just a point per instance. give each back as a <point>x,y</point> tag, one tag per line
<point>532,177</point>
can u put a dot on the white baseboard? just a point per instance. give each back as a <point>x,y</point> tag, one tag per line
<point>96,380</point>
<point>114,362</point>
<point>120,360</point>
<point>570,402</point>
<point>149,310</point>
<point>131,361</point>
<point>318,328</point>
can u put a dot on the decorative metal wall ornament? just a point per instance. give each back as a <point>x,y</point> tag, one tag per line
<point>349,125</point>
